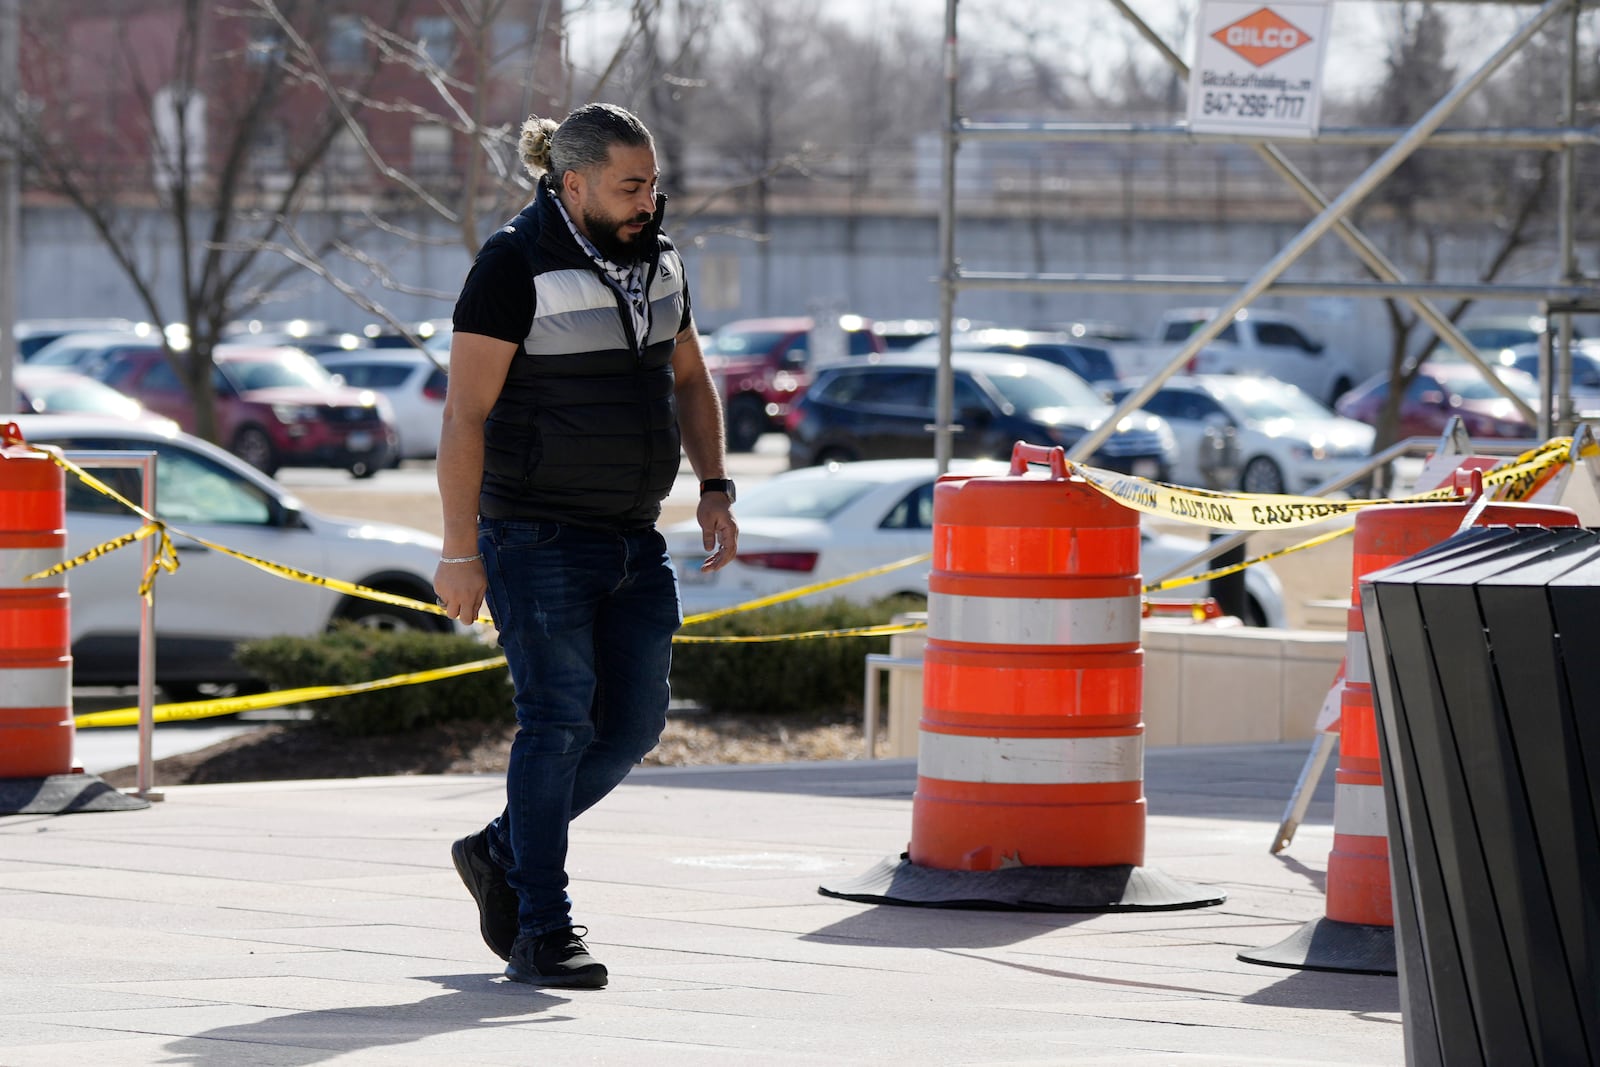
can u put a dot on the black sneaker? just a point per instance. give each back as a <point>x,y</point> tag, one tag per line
<point>559,958</point>
<point>497,901</point>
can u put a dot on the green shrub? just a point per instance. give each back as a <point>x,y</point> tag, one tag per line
<point>350,654</point>
<point>821,675</point>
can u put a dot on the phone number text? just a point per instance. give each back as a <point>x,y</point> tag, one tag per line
<point>1254,105</point>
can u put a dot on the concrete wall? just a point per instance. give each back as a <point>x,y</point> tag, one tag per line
<point>1211,684</point>
<point>883,266</point>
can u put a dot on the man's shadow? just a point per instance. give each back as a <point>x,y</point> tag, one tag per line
<point>307,1037</point>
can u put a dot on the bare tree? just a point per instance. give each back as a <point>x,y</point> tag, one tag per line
<point>435,131</point>
<point>1508,195</point>
<point>151,120</point>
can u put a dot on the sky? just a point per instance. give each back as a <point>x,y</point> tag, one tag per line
<point>1355,51</point>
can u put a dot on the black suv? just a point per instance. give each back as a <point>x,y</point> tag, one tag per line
<point>882,407</point>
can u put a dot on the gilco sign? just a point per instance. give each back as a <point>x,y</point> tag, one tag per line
<point>1258,68</point>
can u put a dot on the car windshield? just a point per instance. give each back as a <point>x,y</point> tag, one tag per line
<point>190,487</point>
<point>81,395</point>
<point>1585,371</point>
<point>1498,337</point>
<point>743,342</point>
<point>1473,386</point>
<point>800,498</point>
<point>247,374</point>
<point>1258,401</point>
<point>65,352</point>
<point>1034,387</point>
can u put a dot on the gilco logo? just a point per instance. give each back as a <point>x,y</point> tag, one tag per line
<point>1261,37</point>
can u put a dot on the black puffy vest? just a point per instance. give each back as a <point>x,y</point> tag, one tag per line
<point>586,427</point>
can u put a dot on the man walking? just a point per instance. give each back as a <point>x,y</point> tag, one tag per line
<point>575,378</point>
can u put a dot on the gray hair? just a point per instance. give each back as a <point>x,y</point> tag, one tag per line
<point>581,142</point>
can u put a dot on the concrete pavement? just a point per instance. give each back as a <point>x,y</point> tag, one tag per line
<point>321,923</point>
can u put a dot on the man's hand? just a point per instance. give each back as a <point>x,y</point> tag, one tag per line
<point>719,531</point>
<point>460,588</point>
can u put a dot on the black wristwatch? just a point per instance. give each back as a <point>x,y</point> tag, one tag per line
<point>718,485</point>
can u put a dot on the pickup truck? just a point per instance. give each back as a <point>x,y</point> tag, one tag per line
<point>1269,343</point>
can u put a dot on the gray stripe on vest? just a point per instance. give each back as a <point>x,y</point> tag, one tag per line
<point>577,332</point>
<point>560,292</point>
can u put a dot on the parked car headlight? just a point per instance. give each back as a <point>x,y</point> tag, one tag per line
<point>289,414</point>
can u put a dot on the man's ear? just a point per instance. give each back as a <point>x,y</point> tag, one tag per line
<point>574,186</point>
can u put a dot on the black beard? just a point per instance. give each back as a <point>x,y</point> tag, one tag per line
<point>605,235</point>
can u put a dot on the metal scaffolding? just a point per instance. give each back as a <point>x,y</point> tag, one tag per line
<point>1571,293</point>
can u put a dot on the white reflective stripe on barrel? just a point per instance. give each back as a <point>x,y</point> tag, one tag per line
<point>17,563</point>
<point>1358,809</point>
<point>1030,760</point>
<point>988,620</point>
<point>1357,667</point>
<point>36,687</point>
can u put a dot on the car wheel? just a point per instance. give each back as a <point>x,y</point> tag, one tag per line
<point>1254,614</point>
<point>184,692</point>
<point>362,468</point>
<point>1261,475</point>
<point>373,615</point>
<point>252,445</point>
<point>747,421</point>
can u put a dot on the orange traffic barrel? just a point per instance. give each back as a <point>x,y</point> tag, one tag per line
<point>35,637</point>
<point>1030,757</point>
<point>1031,748</point>
<point>1358,935</point>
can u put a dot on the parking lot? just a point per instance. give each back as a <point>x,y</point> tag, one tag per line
<point>409,495</point>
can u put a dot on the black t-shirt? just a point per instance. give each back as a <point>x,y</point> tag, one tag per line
<point>497,297</point>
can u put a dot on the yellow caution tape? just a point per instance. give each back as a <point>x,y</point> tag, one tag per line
<point>1250,512</point>
<point>167,558</point>
<point>204,709</point>
<point>805,590</point>
<point>1234,568</point>
<point>854,631</point>
<point>1517,479</point>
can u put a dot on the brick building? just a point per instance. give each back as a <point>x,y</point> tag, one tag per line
<point>127,92</point>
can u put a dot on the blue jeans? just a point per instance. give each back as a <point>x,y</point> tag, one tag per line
<point>586,619</point>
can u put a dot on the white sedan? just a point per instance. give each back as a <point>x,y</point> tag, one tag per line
<point>1287,441</point>
<point>813,524</point>
<point>213,601</point>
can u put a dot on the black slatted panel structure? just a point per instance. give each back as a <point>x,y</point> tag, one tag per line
<point>1486,677</point>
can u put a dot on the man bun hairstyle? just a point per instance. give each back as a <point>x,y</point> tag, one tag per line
<point>580,142</point>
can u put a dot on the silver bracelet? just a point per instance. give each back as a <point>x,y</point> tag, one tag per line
<point>461,559</point>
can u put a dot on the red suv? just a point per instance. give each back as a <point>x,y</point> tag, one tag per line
<point>762,366</point>
<point>276,407</point>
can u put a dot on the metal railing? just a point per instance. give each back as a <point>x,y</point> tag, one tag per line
<point>145,463</point>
